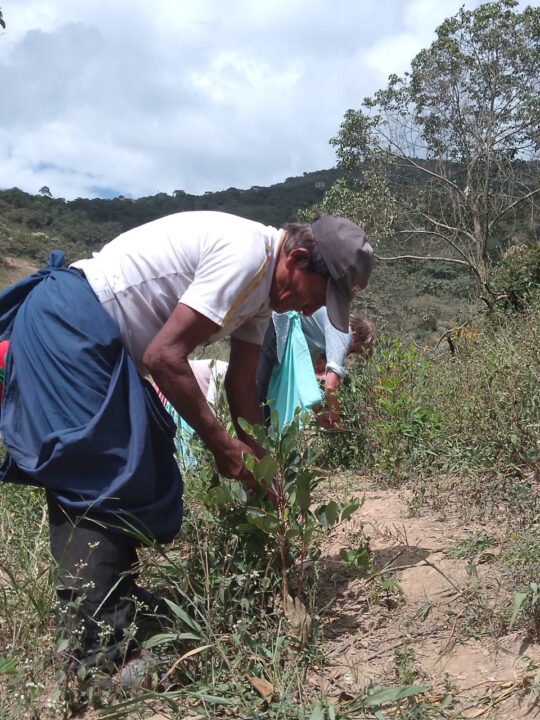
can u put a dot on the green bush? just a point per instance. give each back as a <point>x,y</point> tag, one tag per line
<point>487,397</point>
<point>517,277</point>
<point>408,412</point>
<point>386,414</point>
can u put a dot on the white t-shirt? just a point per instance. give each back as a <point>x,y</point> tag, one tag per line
<point>218,264</point>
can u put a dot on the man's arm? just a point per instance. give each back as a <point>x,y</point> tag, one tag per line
<point>337,345</point>
<point>167,359</point>
<point>332,384</point>
<point>241,387</point>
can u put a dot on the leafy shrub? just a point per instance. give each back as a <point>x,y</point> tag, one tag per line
<point>278,515</point>
<point>410,413</point>
<point>517,277</point>
<point>487,397</point>
<point>386,413</point>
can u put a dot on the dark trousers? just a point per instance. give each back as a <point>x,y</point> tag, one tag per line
<point>95,586</point>
<point>267,361</point>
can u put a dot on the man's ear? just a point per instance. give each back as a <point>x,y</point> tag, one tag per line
<point>297,256</point>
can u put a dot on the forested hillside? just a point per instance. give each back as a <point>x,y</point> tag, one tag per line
<point>32,225</point>
<point>407,298</point>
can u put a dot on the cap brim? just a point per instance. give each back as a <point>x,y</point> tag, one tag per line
<point>338,307</point>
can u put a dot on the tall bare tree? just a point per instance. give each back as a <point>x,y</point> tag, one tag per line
<point>449,153</point>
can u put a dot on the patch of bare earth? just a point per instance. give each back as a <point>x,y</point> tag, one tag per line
<point>15,269</point>
<point>444,610</point>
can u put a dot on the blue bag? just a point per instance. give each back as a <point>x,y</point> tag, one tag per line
<point>293,383</point>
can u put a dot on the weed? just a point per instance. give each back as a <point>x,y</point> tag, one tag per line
<point>527,600</point>
<point>472,546</point>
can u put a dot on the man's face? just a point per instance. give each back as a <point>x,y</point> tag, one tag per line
<point>294,288</point>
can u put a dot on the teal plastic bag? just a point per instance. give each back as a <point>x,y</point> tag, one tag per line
<point>293,383</point>
<point>184,433</point>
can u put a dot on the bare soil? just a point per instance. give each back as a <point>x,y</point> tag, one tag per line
<point>446,611</point>
<point>13,269</point>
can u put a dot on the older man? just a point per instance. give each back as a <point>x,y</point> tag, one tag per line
<point>77,416</point>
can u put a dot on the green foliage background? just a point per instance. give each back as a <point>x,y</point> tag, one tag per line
<point>413,301</point>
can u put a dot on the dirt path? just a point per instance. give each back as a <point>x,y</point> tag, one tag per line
<point>438,625</point>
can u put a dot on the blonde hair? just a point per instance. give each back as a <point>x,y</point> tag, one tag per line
<point>364,335</point>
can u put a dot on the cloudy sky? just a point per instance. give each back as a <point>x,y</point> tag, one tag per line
<point>100,98</point>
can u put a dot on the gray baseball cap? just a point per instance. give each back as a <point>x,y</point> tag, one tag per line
<point>349,259</point>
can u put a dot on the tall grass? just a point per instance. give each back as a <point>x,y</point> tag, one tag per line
<point>410,410</point>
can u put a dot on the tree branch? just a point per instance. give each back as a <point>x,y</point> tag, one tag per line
<point>427,257</point>
<point>444,238</point>
<point>426,170</point>
<point>512,205</point>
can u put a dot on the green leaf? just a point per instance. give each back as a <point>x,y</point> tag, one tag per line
<point>266,469</point>
<point>332,512</point>
<point>389,584</point>
<point>267,522</point>
<point>259,434</point>
<point>320,514</point>
<point>238,493</point>
<point>7,665</point>
<point>318,712</point>
<point>245,425</point>
<point>385,694</point>
<point>519,599</point>
<point>245,528</point>
<point>160,639</point>
<point>163,638</point>
<point>181,614</point>
<point>308,534</point>
<point>219,496</point>
<point>212,699</point>
<point>303,497</point>
<point>249,461</point>
<point>292,533</point>
<point>62,644</point>
<point>55,695</point>
<point>350,508</point>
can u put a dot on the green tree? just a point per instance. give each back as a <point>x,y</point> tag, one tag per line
<point>448,155</point>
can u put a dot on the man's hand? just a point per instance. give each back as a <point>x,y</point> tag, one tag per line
<point>331,419</point>
<point>230,462</point>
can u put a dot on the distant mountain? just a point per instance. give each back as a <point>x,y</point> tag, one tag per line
<point>409,299</point>
<point>32,225</point>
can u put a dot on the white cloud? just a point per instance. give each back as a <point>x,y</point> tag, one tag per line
<point>393,52</point>
<point>146,97</point>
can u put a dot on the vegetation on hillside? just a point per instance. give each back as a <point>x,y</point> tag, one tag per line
<point>33,225</point>
<point>444,162</point>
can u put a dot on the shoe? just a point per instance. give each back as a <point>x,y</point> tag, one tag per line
<point>138,672</point>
